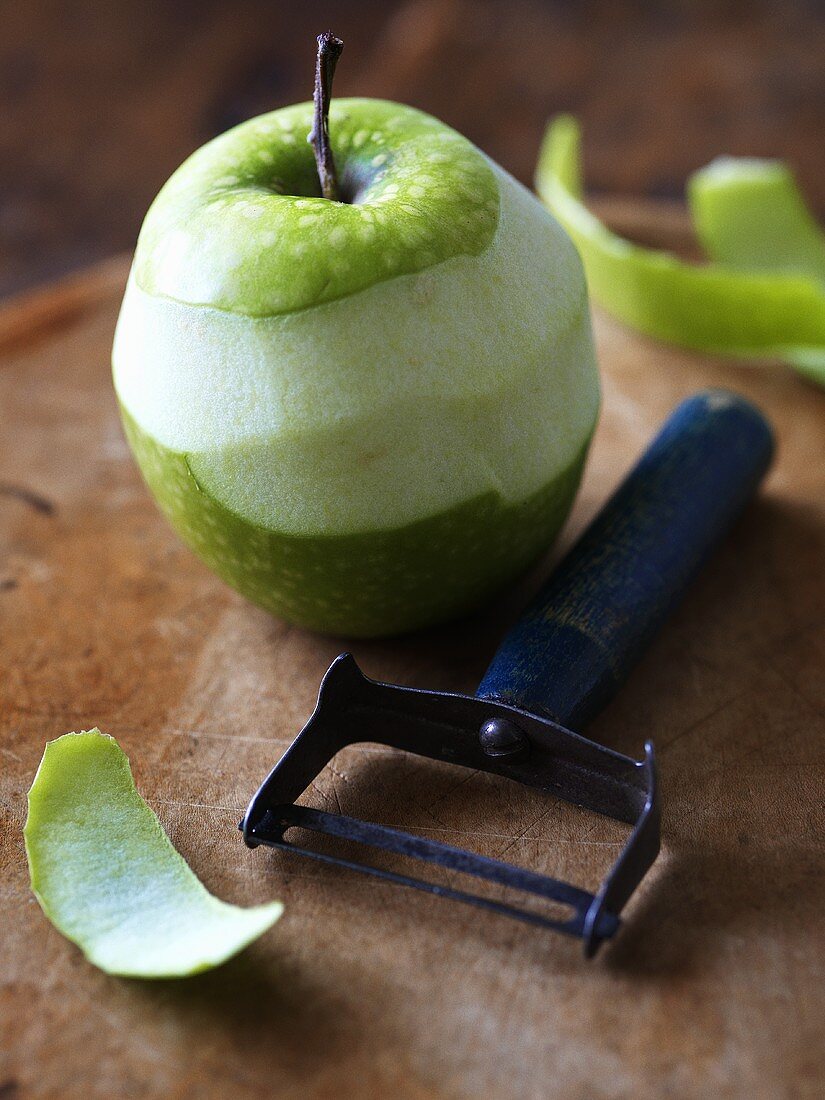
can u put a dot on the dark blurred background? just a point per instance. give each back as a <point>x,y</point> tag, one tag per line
<point>101,99</point>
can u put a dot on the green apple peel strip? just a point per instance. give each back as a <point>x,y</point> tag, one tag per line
<point>777,312</point>
<point>108,878</point>
<point>749,214</point>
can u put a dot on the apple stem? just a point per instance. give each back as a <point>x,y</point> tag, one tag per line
<point>329,50</point>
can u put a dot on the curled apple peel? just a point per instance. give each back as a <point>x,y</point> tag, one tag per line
<point>765,295</point>
<point>107,876</point>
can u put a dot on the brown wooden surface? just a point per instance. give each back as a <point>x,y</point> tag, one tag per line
<point>100,100</point>
<point>715,988</point>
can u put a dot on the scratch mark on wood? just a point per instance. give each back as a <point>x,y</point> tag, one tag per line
<point>799,694</point>
<point>34,500</point>
<point>451,790</point>
<point>335,790</point>
<point>196,805</point>
<point>662,745</point>
<point>273,742</point>
<point>417,828</point>
<point>524,831</point>
<point>322,794</point>
<point>340,775</point>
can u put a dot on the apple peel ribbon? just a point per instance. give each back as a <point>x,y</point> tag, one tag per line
<point>763,293</point>
<point>107,876</point>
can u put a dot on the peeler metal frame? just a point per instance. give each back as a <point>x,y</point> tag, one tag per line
<point>559,665</point>
<point>476,734</point>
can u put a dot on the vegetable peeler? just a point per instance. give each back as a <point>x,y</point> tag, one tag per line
<point>555,670</point>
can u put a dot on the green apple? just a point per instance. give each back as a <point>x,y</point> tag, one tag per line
<point>366,415</point>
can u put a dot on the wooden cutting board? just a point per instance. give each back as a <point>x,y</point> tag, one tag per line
<point>715,987</point>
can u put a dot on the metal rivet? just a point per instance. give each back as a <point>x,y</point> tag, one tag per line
<point>501,737</point>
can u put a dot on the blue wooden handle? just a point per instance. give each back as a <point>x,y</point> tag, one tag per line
<point>575,644</point>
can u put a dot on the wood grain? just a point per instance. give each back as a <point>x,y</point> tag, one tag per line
<point>101,101</point>
<point>715,988</point>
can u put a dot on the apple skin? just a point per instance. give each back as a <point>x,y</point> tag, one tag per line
<point>360,585</point>
<point>360,446</point>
